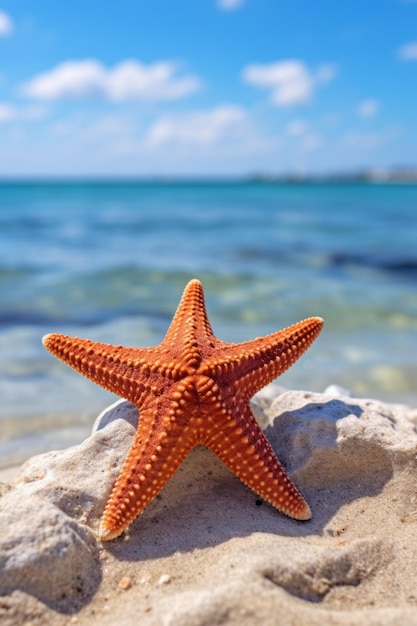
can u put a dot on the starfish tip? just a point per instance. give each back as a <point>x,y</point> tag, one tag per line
<point>46,339</point>
<point>194,283</point>
<point>105,534</point>
<point>305,514</point>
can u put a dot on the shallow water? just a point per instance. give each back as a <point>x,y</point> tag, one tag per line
<point>110,261</point>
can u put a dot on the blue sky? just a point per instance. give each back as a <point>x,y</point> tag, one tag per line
<point>206,87</point>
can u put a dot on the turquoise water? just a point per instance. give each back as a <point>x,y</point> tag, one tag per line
<point>110,261</point>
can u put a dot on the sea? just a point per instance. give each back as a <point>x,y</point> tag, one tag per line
<point>108,260</point>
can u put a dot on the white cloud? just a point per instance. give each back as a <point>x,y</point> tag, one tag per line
<point>408,52</point>
<point>368,108</point>
<point>229,5</point>
<point>291,83</point>
<point>129,80</point>
<point>201,127</point>
<point>6,24</point>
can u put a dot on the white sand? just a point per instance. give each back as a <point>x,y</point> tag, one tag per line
<point>206,551</point>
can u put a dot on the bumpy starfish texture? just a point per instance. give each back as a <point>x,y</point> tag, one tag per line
<point>191,390</point>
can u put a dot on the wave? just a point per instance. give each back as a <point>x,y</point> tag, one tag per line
<point>405,267</point>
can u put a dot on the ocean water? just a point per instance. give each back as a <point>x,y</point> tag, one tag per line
<point>109,262</point>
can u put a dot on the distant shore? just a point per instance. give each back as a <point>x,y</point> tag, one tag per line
<point>400,175</point>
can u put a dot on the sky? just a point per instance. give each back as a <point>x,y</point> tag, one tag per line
<point>206,87</point>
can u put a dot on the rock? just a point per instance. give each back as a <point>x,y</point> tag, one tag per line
<point>78,480</point>
<point>226,559</point>
<point>48,550</point>
<point>330,440</point>
<point>45,553</point>
<point>121,409</point>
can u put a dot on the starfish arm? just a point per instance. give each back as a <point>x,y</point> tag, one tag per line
<point>158,449</point>
<point>251,365</point>
<point>121,370</point>
<point>190,331</point>
<point>246,451</point>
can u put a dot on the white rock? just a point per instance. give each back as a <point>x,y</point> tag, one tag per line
<point>78,480</point>
<point>121,409</point>
<point>325,440</point>
<point>45,553</point>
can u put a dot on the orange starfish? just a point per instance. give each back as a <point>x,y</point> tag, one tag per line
<point>192,389</point>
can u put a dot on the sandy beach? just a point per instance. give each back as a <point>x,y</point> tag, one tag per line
<point>207,550</point>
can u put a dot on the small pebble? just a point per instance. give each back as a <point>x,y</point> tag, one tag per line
<point>125,582</point>
<point>145,579</point>
<point>164,579</point>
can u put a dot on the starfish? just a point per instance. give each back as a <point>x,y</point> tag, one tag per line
<point>192,389</point>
